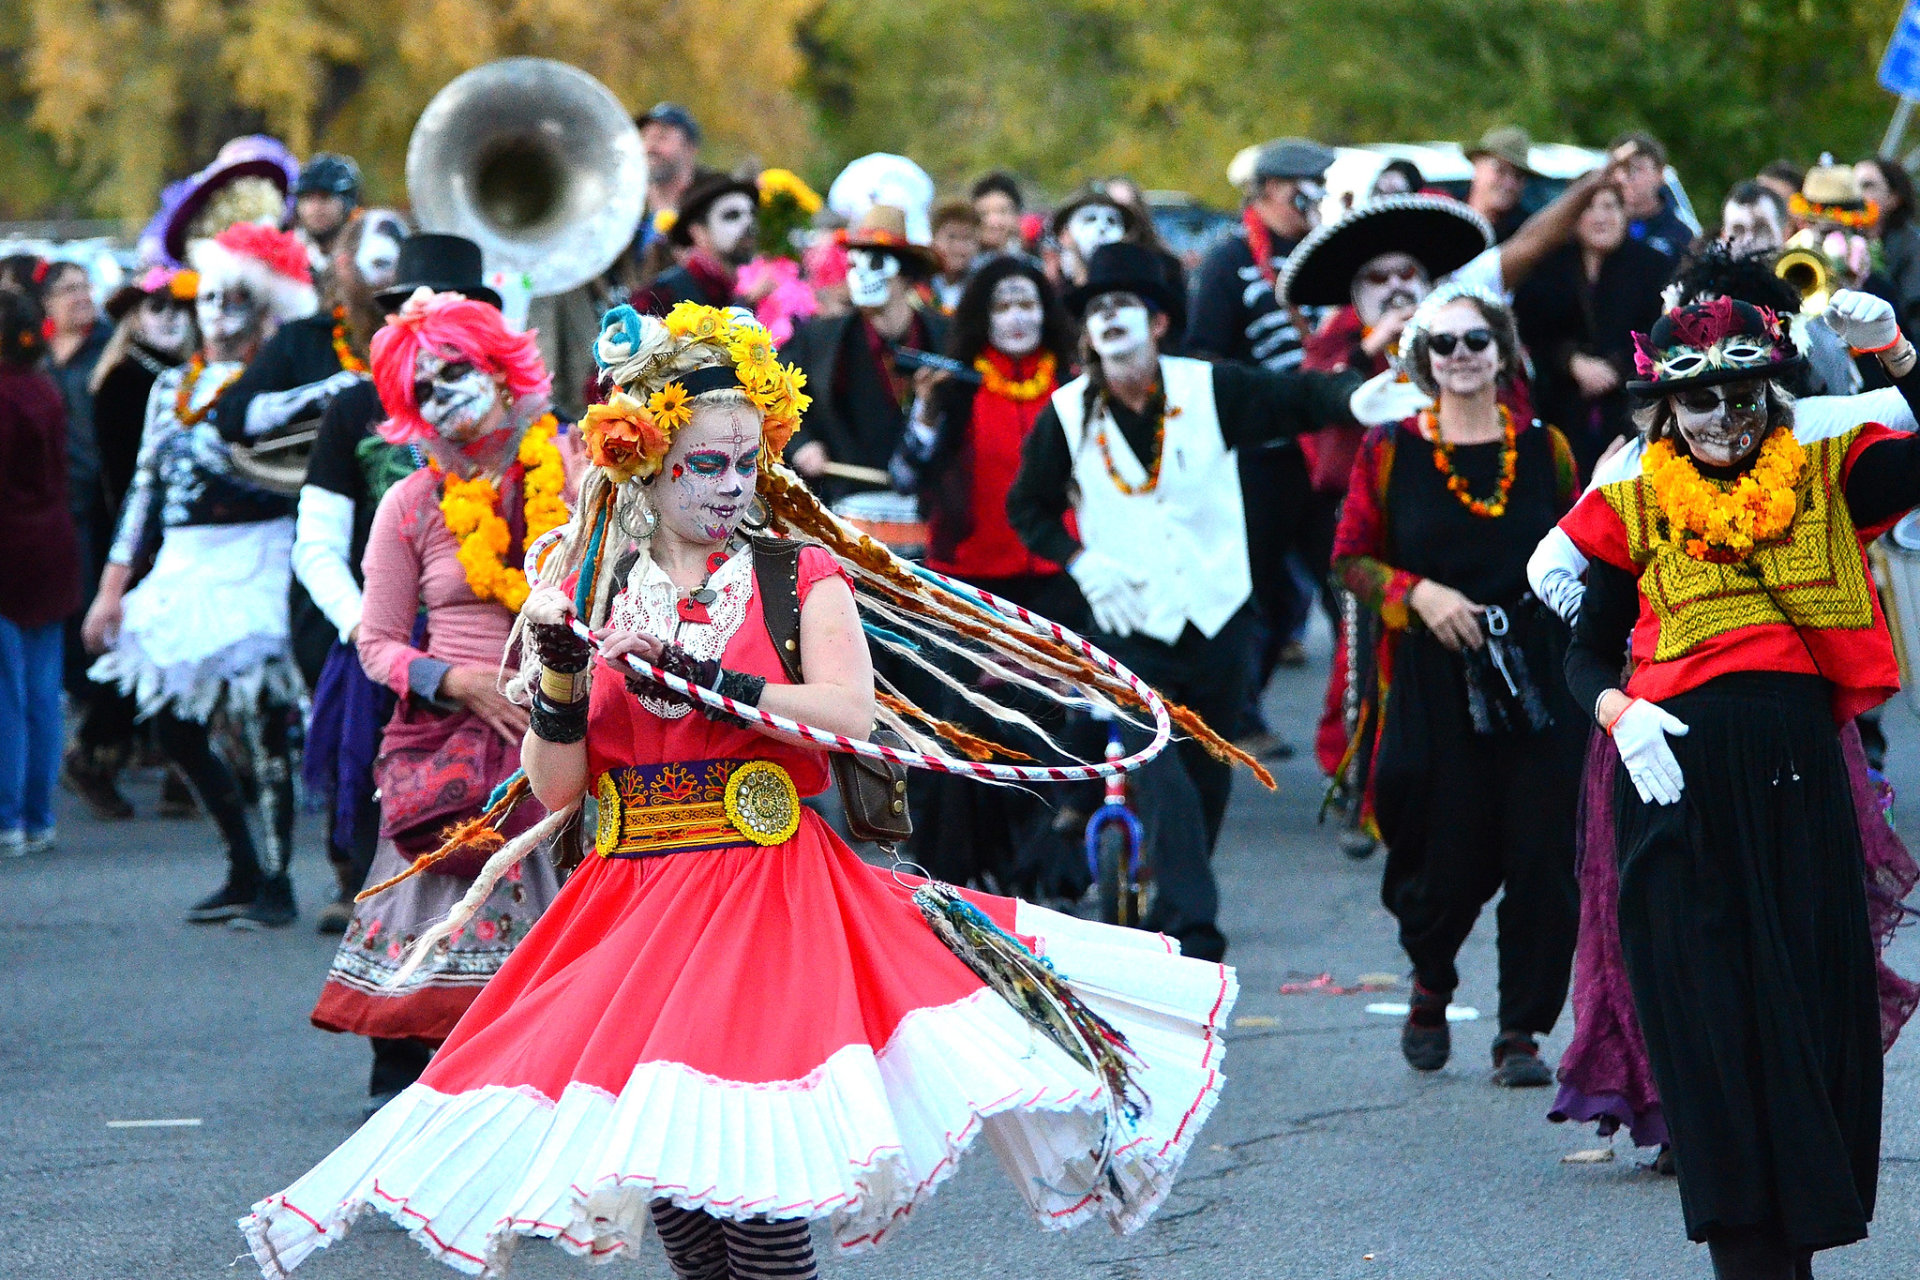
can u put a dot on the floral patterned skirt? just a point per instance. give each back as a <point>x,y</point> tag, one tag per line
<point>359,996</point>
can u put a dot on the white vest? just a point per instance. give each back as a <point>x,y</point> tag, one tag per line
<point>1189,534</point>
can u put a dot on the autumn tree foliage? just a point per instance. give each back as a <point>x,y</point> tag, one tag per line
<point>135,92</point>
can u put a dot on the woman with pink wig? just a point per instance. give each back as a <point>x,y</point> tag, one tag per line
<point>470,397</point>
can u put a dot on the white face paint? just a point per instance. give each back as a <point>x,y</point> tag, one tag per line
<point>1014,316</point>
<point>1092,225</point>
<point>706,481</point>
<point>226,311</point>
<point>1118,325</point>
<point>1723,424</point>
<point>1390,282</point>
<point>870,276</point>
<point>460,401</point>
<point>730,228</point>
<point>162,324</point>
<point>377,260</point>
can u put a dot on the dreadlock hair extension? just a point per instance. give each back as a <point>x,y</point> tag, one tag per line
<point>975,748</point>
<point>483,886</point>
<point>793,507</point>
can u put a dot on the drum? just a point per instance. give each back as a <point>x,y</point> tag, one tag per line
<point>892,518</point>
<point>1896,568</point>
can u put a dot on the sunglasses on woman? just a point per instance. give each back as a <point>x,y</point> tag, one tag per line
<point>1476,340</point>
<point>1705,400</point>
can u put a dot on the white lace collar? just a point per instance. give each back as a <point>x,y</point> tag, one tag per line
<point>650,603</point>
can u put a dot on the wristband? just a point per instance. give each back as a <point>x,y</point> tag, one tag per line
<point>1899,358</point>
<point>558,724</point>
<point>562,687</point>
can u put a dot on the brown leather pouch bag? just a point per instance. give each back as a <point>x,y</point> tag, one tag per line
<point>873,792</point>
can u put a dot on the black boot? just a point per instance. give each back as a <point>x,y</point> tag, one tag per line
<point>1753,1254</point>
<point>91,774</point>
<point>1425,1041</point>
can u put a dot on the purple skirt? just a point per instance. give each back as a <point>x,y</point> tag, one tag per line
<point>1604,1074</point>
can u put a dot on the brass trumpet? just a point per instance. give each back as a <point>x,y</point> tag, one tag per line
<point>1811,274</point>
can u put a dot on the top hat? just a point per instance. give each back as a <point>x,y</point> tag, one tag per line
<point>440,262</point>
<point>885,227</point>
<point>1123,267</point>
<point>1439,233</point>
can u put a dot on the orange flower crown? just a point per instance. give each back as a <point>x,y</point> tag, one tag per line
<point>629,435</point>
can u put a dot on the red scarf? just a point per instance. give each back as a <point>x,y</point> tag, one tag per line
<point>1260,240</point>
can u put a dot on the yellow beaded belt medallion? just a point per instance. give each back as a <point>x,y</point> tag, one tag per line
<point>685,807</point>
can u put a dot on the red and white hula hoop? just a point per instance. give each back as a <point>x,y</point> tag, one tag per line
<point>1032,623</point>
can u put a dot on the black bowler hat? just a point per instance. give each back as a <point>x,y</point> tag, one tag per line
<point>440,262</point>
<point>1123,267</point>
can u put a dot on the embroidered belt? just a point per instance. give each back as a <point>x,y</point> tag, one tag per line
<point>689,806</point>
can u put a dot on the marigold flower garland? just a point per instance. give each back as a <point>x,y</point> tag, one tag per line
<point>1722,523</point>
<point>1024,391</point>
<point>1486,508</point>
<point>183,398</point>
<point>628,437</point>
<point>471,508</point>
<point>1152,481</point>
<point>342,348</point>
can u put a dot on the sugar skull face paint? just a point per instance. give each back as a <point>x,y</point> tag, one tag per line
<point>1723,424</point>
<point>164,325</point>
<point>707,480</point>
<point>1118,326</point>
<point>1014,316</point>
<point>378,257</point>
<point>458,399</point>
<point>870,276</point>
<point>1093,225</point>
<point>227,311</point>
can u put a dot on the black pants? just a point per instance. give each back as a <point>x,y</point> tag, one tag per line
<point>396,1064</point>
<point>106,728</point>
<point>188,744</point>
<point>1465,815</point>
<point>1182,793</point>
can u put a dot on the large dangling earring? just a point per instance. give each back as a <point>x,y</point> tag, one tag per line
<point>755,521</point>
<point>624,514</point>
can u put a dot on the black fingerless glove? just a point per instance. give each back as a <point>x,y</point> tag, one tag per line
<point>705,672</point>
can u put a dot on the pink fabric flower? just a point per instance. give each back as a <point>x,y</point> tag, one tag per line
<point>484,930</point>
<point>788,298</point>
<point>279,250</point>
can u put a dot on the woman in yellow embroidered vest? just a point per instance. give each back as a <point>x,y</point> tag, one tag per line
<point>1728,576</point>
<point>728,1024</point>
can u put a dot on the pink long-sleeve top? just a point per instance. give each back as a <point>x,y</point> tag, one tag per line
<point>411,561</point>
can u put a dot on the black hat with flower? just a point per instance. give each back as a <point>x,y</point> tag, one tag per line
<point>1709,343</point>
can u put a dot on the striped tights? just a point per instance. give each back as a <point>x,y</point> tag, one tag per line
<point>702,1247</point>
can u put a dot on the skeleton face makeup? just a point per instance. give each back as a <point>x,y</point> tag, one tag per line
<point>1014,316</point>
<point>1723,424</point>
<point>1092,225</point>
<point>378,257</point>
<point>706,481</point>
<point>870,276</point>
<point>730,228</point>
<point>1390,282</point>
<point>162,324</point>
<point>460,401</point>
<point>1118,325</point>
<point>227,312</point>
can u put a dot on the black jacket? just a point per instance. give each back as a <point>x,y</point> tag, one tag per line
<point>854,412</point>
<point>300,352</point>
<point>1560,314</point>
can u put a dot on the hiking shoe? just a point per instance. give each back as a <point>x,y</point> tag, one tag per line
<point>271,908</point>
<point>1663,1163</point>
<point>84,773</point>
<point>1516,1062</point>
<point>42,840</point>
<point>224,903</point>
<point>1425,1041</point>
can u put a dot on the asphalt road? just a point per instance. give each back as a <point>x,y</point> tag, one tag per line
<point>1327,1159</point>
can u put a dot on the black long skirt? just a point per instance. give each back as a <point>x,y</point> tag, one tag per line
<point>1743,922</point>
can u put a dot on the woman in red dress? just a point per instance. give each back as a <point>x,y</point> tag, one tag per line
<point>727,1024</point>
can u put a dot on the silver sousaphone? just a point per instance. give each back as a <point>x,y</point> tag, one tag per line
<point>537,163</point>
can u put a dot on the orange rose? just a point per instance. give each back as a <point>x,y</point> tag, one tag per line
<point>622,438</point>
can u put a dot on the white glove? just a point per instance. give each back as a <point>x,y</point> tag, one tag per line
<point>1863,321</point>
<point>1112,591</point>
<point>1640,735</point>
